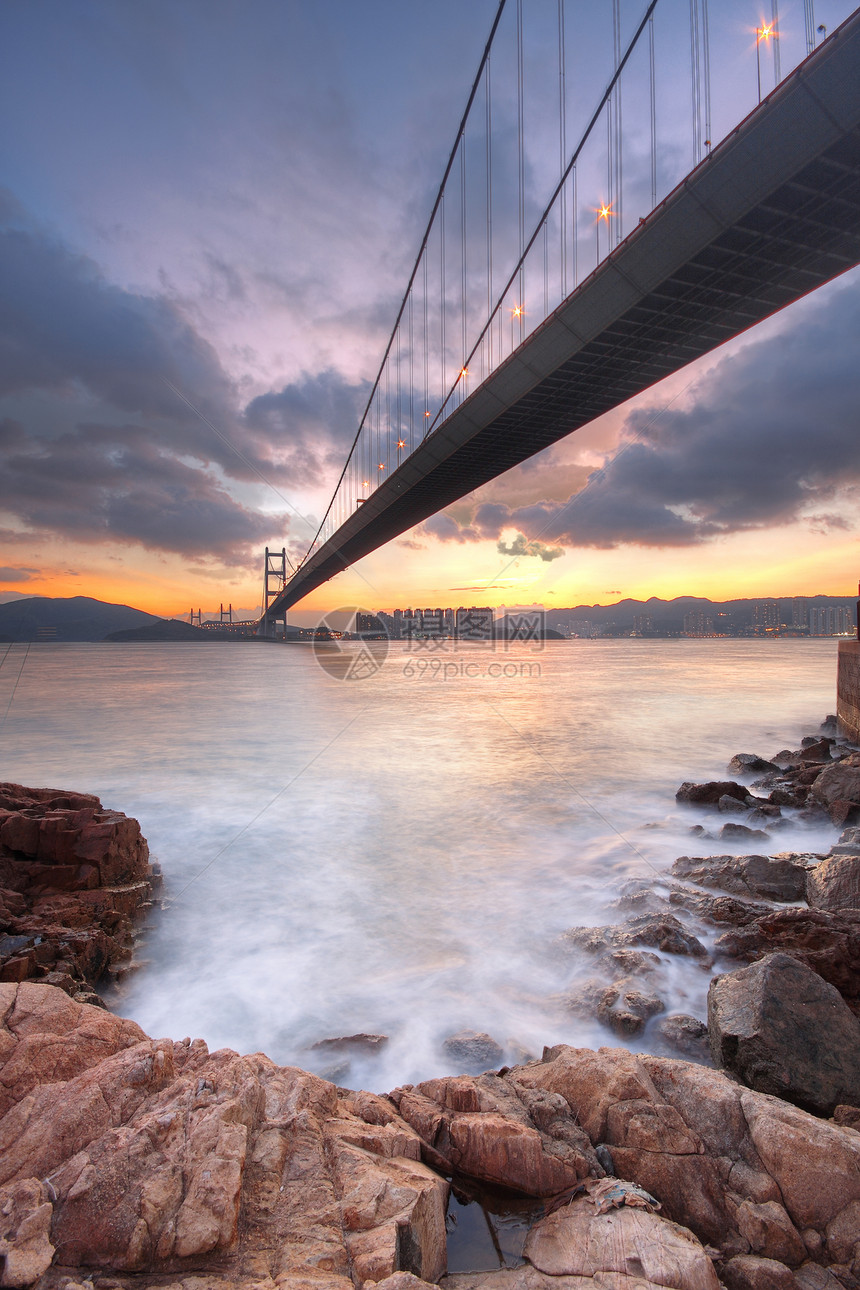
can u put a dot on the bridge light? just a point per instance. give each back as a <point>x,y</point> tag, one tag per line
<point>464,371</point>
<point>381,466</point>
<point>605,211</point>
<point>517,311</point>
<point>401,443</point>
<point>366,484</point>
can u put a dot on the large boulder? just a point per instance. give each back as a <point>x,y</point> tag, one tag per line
<point>834,884</point>
<point>827,943</point>
<point>150,1151</point>
<point>744,1171</point>
<point>73,875</point>
<point>782,1029</point>
<point>580,1241</point>
<point>753,876</point>
<point>837,789</point>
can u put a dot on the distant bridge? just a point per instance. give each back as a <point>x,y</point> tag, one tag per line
<point>767,216</point>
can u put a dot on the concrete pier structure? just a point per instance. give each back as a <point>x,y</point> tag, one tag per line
<point>848,690</point>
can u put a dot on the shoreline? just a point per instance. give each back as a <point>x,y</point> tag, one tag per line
<point>141,1163</point>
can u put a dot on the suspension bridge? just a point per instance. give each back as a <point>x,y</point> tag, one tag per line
<point>485,366</point>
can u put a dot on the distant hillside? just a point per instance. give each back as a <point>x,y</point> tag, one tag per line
<point>173,629</point>
<point>67,618</point>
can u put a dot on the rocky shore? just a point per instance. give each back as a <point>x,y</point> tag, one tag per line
<point>129,1162</point>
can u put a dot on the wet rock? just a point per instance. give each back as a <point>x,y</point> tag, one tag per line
<point>351,1043</point>
<point>717,910</point>
<point>828,943</point>
<point>749,764</point>
<point>751,876</point>
<point>685,1035</point>
<point>578,1241</point>
<point>838,788</point>
<point>794,796</point>
<point>834,884</point>
<point>476,1051</point>
<point>73,876</point>
<point>709,794</point>
<point>622,1005</point>
<point>662,931</point>
<point>742,833</point>
<point>814,749</point>
<point>848,844</point>
<point>731,806</point>
<point>783,1030</point>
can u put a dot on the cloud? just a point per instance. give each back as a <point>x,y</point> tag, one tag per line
<point>522,546</point>
<point>100,447</point>
<point>310,424</point>
<point>768,437</point>
<point>113,484</point>
<point>9,574</point>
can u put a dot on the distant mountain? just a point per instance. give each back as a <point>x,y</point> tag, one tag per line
<point>67,618</point>
<point>668,615</point>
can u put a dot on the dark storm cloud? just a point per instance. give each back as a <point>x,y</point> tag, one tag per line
<point>66,330</point>
<point>113,484</point>
<point>771,436</point>
<point>140,467</point>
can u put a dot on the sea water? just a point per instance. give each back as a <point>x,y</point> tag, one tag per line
<point>400,854</point>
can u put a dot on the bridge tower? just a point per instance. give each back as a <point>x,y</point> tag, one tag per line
<point>274,581</point>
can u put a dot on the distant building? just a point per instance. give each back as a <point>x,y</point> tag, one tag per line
<point>583,627</point>
<point>474,624</point>
<point>831,620</point>
<point>765,616</point>
<point>800,612</point>
<point>698,623</point>
<point>642,624</point>
<point>433,622</point>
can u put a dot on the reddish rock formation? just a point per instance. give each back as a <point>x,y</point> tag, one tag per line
<point>73,875</point>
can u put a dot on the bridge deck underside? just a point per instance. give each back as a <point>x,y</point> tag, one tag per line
<point>614,339</point>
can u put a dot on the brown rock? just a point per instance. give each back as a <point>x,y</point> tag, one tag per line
<point>718,910</point>
<point>621,1005</point>
<point>150,1151</point>
<point>750,1272</point>
<point>828,943</point>
<point>25,1228</point>
<point>838,784</point>
<point>685,1035</point>
<point>473,1050</point>
<point>834,884</point>
<point>782,1029</point>
<point>577,1241</point>
<point>78,874</point>
<point>662,931</point>
<point>748,876</point>
<point>709,794</point>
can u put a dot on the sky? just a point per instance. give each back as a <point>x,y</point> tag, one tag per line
<point>208,214</point>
